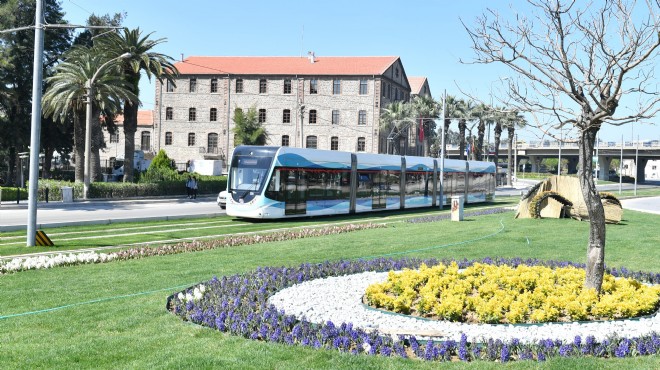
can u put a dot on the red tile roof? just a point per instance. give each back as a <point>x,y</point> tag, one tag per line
<point>416,84</point>
<point>145,118</point>
<point>362,66</point>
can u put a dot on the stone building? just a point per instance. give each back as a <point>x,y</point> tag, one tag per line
<point>315,102</point>
<point>145,137</point>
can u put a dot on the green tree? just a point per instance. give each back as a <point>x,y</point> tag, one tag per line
<point>427,110</point>
<point>395,119</point>
<point>575,61</point>
<point>462,110</point>
<point>143,59</point>
<point>247,128</point>
<point>512,121</point>
<point>16,66</point>
<point>482,113</point>
<point>161,168</point>
<point>66,94</point>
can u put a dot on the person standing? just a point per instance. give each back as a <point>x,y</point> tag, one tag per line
<point>193,186</point>
<point>189,187</point>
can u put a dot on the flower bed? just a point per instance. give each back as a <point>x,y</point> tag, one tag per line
<point>43,262</point>
<point>238,304</point>
<point>484,293</point>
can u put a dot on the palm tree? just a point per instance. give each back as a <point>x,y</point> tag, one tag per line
<point>395,119</point>
<point>67,91</point>
<point>452,111</point>
<point>498,116</point>
<point>481,112</point>
<point>462,112</point>
<point>427,110</point>
<point>513,120</point>
<point>142,60</point>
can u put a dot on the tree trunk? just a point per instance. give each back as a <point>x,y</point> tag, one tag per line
<point>509,172</point>
<point>48,160</point>
<point>79,144</point>
<point>444,148</point>
<point>461,135</point>
<point>97,144</point>
<point>130,127</point>
<point>497,135</point>
<point>596,247</point>
<point>480,140</point>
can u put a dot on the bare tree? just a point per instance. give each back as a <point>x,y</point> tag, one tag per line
<point>575,61</point>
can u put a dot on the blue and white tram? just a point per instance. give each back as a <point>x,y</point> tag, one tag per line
<point>283,182</point>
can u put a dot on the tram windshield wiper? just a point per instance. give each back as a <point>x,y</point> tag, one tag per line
<point>252,188</point>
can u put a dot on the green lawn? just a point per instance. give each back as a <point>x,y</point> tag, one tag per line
<point>121,331</point>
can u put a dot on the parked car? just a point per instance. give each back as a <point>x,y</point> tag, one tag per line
<point>222,199</point>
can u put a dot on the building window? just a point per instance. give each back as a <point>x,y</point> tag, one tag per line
<point>286,116</point>
<point>168,138</point>
<point>311,142</point>
<point>192,114</point>
<point>285,140</point>
<point>363,87</point>
<point>362,117</point>
<point>193,84</point>
<point>214,85</point>
<point>262,115</point>
<point>191,139</point>
<point>114,138</point>
<point>334,143</point>
<point>169,86</point>
<point>239,85</point>
<point>212,143</point>
<point>169,113</point>
<point>313,86</point>
<point>361,144</point>
<point>336,87</point>
<point>262,86</point>
<point>396,72</point>
<point>389,91</point>
<point>335,117</point>
<point>287,86</point>
<point>145,141</point>
<point>312,116</point>
<point>213,114</point>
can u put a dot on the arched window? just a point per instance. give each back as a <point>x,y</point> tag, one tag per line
<point>168,138</point>
<point>145,141</point>
<point>212,143</point>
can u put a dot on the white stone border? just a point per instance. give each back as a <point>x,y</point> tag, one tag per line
<point>339,299</point>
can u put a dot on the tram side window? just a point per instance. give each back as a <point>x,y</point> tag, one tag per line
<point>315,185</point>
<point>393,183</point>
<point>417,184</point>
<point>459,183</point>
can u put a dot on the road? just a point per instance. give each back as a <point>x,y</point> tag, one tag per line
<point>14,217</point>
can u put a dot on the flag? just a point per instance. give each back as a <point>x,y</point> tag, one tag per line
<point>421,130</point>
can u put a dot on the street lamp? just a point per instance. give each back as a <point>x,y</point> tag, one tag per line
<point>88,121</point>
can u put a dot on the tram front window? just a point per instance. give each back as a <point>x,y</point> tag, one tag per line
<point>248,175</point>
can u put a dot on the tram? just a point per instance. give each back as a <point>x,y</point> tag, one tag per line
<point>268,182</point>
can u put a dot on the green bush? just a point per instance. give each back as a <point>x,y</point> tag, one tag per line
<point>9,193</point>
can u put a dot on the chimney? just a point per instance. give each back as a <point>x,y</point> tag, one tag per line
<point>311,56</point>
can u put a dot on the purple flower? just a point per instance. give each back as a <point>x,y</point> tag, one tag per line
<point>462,348</point>
<point>504,353</point>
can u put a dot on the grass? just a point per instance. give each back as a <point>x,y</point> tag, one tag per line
<point>137,332</point>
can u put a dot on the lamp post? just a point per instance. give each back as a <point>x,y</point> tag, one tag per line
<point>88,121</point>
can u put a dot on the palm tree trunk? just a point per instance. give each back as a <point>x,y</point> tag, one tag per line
<point>130,127</point>
<point>480,140</point>
<point>510,165</point>
<point>596,248</point>
<point>497,137</point>
<point>444,141</point>
<point>79,144</point>
<point>461,134</point>
<point>97,144</point>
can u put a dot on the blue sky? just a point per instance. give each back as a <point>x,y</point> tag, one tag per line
<point>427,35</point>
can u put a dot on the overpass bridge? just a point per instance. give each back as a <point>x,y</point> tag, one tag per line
<point>604,152</point>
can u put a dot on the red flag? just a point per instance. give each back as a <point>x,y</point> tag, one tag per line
<point>421,130</point>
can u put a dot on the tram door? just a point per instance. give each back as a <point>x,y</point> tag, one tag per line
<point>295,192</point>
<point>378,191</point>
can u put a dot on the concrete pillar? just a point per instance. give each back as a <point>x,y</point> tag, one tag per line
<point>572,165</point>
<point>604,166</point>
<point>534,160</point>
<point>641,166</point>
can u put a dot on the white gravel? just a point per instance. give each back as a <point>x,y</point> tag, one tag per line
<point>339,299</point>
